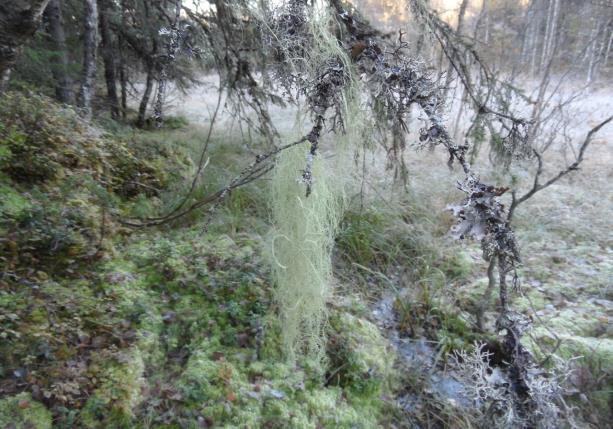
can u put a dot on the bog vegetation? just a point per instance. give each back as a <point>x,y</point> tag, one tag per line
<point>305,214</point>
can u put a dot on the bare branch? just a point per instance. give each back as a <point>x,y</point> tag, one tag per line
<point>536,186</point>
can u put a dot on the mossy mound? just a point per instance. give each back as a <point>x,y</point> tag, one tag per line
<point>361,359</point>
<point>21,412</point>
<point>62,181</point>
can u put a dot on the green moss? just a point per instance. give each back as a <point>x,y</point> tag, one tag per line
<point>21,412</point>
<point>113,403</point>
<point>360,357</point>
<point>12,203</point>
<point>457,265</point>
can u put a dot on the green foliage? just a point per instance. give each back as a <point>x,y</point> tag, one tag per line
<point>21,412</point>
<point>361,359</point>
<point>62,179</point>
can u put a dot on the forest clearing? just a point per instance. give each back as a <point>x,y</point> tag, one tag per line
<point>306,214</point>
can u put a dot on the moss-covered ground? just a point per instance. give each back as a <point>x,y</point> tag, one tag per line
<point>108,327</point>
<point>105,326</point>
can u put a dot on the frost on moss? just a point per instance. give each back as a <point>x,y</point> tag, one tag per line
<point>21,412</point>
<point>226,387</point>
<point>113,403</point>
<point>360,357</point>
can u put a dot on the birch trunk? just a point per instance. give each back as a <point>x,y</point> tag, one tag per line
<point>592,55</point>
<point>123,74</point>
<point>548,21</point>
<point>550,32</point>
<point>605,62</point>
<point>171,49</point>
<point>90,43</point>
<point>144,102</point>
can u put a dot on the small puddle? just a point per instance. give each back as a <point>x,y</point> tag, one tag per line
<point>417,354</point>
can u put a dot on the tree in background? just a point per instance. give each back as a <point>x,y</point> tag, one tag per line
<point>55,28</point>
<point>108,48</point>
<point>19,20</point>
<point>90,48</point>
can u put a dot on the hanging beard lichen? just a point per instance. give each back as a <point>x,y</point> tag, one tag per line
<point>304,228</point>
<point>302,241</point>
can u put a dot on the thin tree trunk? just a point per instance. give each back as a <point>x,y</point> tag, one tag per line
<point>592,55</point>
<point>123,80</point>
<point>608,50</point>
<point>144,102</point>
<point>459,29</point>
<point>171,49</point>
<point>534,40</point>
<point>90,43</point>
<point>523,59</point>
<point>456,126</point>
<point>601,49</point>
<point>419,45</point>
<point>487,295</point>
<point>63,83</point>
<point>548,24</point>
<point>550,32</point>
<point>527,24</point>
<point>107,56</point>
<point>19,20</point>
<point>123,77</point>
<point>486,10</point>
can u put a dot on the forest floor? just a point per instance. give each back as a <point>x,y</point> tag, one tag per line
<point>107,326</point>
<point>565,235</point>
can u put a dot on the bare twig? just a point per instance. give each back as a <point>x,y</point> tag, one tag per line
<point>254,171</point>
<point>537,186</point>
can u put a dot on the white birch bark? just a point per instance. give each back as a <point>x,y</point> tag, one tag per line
<point>90,43</point>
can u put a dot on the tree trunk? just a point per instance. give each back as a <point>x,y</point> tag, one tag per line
<point>63,82</point>
<point>486,11</point>
<point>550,32</point>
<point>534,38</point>
<point>548,21</point>
<point>606,54</point>
<point>419,45</point>
<point>592,55</point>
<point>142,108</point>
<point>123,77</point>
<point>487,295</point>
<point>171,49</point>
<point>19,20</point>
<point>123,80</point>
<point>104,7</point>
<point>459,29</point>
<point>90,43</point>
<point>528,23</point>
